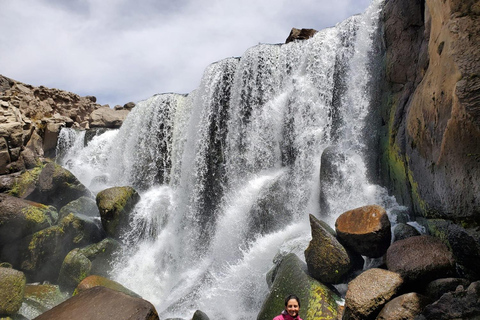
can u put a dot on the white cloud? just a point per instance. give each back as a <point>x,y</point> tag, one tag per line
<point>123,50</point>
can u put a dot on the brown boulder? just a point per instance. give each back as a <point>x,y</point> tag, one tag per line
<point>99,281</point>
<point>406,306</point>
<point>420,259</point>
<point>327,260</point>
<point>437,288</point>
<point>300,34</point>
<point>366,230</point>
<point>102,303</point>
<point>106,117</point>
<point>369,292</point>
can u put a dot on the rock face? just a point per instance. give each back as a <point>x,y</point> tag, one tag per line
<point>366,230</point>
<point>327,260</point>
<point>31,119</point>
<point>420,259</point>
<point>429,144</point>
<point>102,303</point>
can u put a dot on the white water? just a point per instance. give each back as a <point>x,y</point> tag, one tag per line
<point>229,173</point>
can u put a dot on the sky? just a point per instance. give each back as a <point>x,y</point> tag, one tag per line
<point>126,50</point>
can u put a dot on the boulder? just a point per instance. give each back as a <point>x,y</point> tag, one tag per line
<point>41,254</point>
<point>107,117</point>
<point>327,260</point>
<point>420,259</point>
<point>200,315</point>
<point>102,303</point>
<point>80,263</point>
<point>19,218</point>
<point>437,288</point>
<point>40,298</point>
<point>464,244</point>
<point>461,304</point>
<point>99,281</point>
<point>369,292</point>
<point>403,231</point>
<point>300,34</point>
<point>115,205</point>
<point>12,289</point>
<point>83,206</point>
<point>291,277</point>
<point>366,230</point>
<point>57,186</point>
<point>406,306</point>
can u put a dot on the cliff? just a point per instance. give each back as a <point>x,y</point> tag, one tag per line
<point>431,113</point>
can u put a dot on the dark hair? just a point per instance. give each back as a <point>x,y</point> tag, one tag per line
<point>290,297</point>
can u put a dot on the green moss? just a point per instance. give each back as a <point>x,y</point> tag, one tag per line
<point>26,180</point>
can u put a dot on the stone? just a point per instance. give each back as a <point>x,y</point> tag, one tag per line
<point>12,289</point>
<point>370,291</point>
<point>107,117</point>
<point>40,298</point>
<point>365,230</point>
<point>437,288</point>
<point>57,186</point>
<point>19,218</point>
<point>102,303</point>
<point>327,260</point>
<point>82,206</point>
<point>461,304</point>
<point>403,231</point>
<point>300,34</point>
<point>115,205</point>
<point>420,259</point>
<point>318,301</point>
<point>406,306</point>
<point>99,281</point>
<point>200,315</point>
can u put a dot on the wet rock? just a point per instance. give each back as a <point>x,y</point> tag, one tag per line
<point>331,176</point>
<point>102,303</point>
<point>200,315</point>
<point>19,218</point>
<point>406,306</point>
<point>403,231</point>
<point>82,206</point>
<point>80,263</point>
<point>12,289</point>
<point>461,304</point>
<point>291,276</point>
<point>327,260</point>
<point>420,259</point>
<point>108,118</point>
<point>300,34</point>
<point>369,292</point>
<point>115,205</point>
<point>99,281</point>
<point>437,288</point>
<point>365,230</point>
<point>57,186</point>
<point>40,298</point>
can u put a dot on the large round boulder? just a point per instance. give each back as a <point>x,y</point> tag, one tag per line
<point>291,278</point>
<point>82,206</point>
<point>406,306</point>
<point>437,288</point>
<point>12,289</point>
<point>369,292</point>
<point>102,303</point>
<point>366,230</point>
<point>420,259</point>
<point>19,218</point>
<point>57,186</point>
<point>327,260</point>
<point>403,231</point>
<point>115,205</point>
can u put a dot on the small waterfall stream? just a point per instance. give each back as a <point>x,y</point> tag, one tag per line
<point>229,173</point>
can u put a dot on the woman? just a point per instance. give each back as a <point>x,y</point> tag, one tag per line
<point>292,306</point>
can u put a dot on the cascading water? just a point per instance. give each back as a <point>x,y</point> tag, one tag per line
<point>229,173</point>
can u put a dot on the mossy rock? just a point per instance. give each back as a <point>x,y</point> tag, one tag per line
<point>26,182</point>
<point>99,281</point>
<point>39,298</point>
<point>317,300</point>
<point>82,206</point>
<point>19,218</point>
<point>115,205</point>
<point>12,290</point>
<point>57,186</point>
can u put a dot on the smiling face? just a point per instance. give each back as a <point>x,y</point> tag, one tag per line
<point>292,307</point>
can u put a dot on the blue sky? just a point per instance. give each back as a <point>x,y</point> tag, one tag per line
<point>125,50</point>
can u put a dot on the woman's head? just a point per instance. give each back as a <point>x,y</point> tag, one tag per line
<point>292,305</point>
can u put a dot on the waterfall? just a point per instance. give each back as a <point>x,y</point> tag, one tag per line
<point>229,173</point>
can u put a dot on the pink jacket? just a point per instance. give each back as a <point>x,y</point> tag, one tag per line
<point>285,316</point>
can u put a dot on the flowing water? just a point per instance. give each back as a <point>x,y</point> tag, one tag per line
<point>229,173</point>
